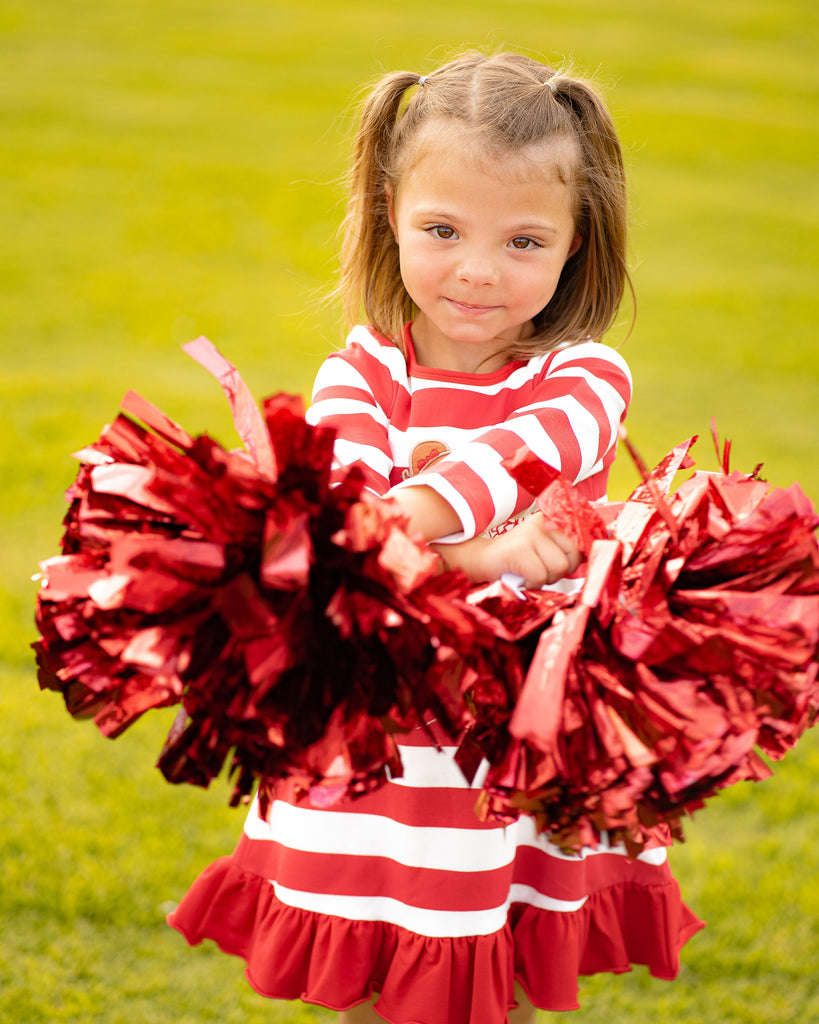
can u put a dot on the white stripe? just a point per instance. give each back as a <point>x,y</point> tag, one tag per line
<point>435,768</point>
<point>584,426</point>
<point>392,358</point>
<point>372,835</point>
<point>433,923</point>
<point>346,407</point>
<point>596,468</point>
<point>518,378</point>
<point>590,350</point>
<point>611,401</point>
<point>657,856</point>
<point>486,462</point>
<point>440,848</point>
<point>332,372</point>
<point>519,893</point>
<point>531,433</point>
<point>337,371</point>
<point>597,383</point>
<point>388,355</point>
<point>523,375</point>
<point>348,452</point>
<point>430,768</point>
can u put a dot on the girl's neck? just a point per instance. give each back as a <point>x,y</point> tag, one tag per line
<point>436,352</point>
<point>434,370</point>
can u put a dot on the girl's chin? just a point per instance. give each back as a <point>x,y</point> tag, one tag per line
<point>485,327</point>
<point>477,336</point>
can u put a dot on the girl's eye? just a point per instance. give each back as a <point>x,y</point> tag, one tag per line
<point>523,242</point>
<point>442,231</point>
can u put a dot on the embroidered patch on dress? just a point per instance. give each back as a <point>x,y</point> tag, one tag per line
<point>425,454</point>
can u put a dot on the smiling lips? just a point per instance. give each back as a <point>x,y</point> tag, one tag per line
<point>468,307</point>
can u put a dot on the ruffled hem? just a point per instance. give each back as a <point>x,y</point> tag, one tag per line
<point>337,963</point>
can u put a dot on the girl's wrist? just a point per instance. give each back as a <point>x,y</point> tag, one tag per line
<point>467,555</point>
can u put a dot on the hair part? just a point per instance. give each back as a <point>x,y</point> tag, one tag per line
<point>505,104</point>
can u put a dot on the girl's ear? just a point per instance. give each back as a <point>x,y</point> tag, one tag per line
<point>577,241</point>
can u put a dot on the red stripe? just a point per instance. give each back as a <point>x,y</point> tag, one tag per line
<point>378,376</point>
<point>466,481</point>
<point>437,889</point>
<point>593,488</point>
<point>360,428</point>
<point>557,424</point>
<point>419,807</point>
<point>469,410</point>
<point>334,392</point>
<point>574,879</point>
<point>583,393</point>
<point>350,875</point>
<point>604,369</point>
<point>379,380</point>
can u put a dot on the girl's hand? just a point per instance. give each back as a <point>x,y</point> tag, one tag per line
<point>529,550</point>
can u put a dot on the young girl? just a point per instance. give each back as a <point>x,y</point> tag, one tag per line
<point>485,240</point>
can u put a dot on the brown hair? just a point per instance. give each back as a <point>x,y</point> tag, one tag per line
<point>506,102</point>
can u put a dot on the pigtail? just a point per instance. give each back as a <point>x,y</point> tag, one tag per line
<point>370,276</point>
<point>594,279</point>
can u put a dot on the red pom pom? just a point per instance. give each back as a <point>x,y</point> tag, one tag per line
<point>290,619</point>
<point>692,645</point>
<point>300,627</point>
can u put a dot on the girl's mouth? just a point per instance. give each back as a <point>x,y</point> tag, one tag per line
<point>471,308</point>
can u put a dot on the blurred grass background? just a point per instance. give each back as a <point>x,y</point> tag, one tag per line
<point>169,169</point>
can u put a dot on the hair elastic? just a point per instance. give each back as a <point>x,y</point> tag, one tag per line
<point>421,80</point>
<point>551,83</point>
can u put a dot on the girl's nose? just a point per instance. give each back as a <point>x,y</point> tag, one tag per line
<point>477,268</point>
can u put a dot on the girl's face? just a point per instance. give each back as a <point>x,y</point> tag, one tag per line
<point>482,242</point>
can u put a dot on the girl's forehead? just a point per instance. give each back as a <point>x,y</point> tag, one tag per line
<point>447,143</point>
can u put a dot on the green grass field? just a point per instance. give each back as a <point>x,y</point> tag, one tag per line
<point>170,169</point>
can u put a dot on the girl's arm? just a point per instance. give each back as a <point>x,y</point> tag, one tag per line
<point>429,514</point>
<point>529,550</point>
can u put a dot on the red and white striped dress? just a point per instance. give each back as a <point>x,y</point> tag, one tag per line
<point>404,892</point>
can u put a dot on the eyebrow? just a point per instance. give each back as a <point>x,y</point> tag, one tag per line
<point>536,228</point>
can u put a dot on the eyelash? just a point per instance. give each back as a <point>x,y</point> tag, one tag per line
<point>436,229</point>
<point>531,243</point>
